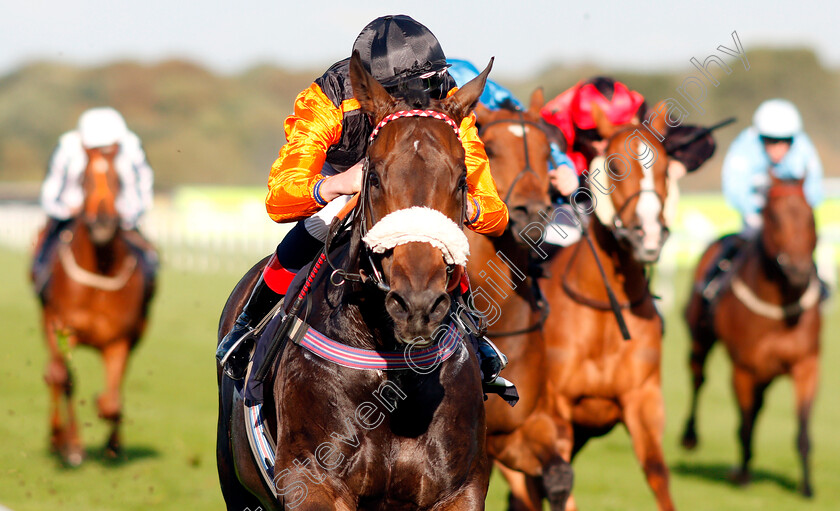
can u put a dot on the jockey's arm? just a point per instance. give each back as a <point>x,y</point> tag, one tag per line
<point>813,185</point>
<point>490,215</point>
<point>739,176</point>
<point>314,126</point>
<point>137,184</point>
<point>61,196</point>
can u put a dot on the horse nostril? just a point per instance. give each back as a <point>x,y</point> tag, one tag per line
<point>396,306</point>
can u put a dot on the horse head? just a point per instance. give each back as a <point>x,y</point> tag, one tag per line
<point>789,235</point>
<point>518,148</point>
<point>413,199</point>
<point>101,186</point>
<point>634,174</point>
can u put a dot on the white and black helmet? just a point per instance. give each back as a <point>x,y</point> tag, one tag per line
<point>777,118</point>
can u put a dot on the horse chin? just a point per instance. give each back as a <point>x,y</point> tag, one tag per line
<point>413,337</point>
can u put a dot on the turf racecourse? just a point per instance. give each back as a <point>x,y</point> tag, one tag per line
<point>170,419</point>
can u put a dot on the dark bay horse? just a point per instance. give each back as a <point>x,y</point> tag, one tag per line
<point>523,439</point>
<point>768,317</point>
<point>599,379</point>
<point>96,296</point>
<point>341,442</point>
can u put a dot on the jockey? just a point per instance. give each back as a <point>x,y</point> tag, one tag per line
<point>774,144</point>
<point>571,112</point>
<point>320,167</point>
<point>62,195</point>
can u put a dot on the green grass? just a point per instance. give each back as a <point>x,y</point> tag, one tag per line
<point>170,412</point>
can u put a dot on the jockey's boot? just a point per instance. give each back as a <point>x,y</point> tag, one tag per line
<point>491,361</point>
<point>232,353</point>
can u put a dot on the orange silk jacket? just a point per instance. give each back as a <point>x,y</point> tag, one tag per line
<point>329,127</point>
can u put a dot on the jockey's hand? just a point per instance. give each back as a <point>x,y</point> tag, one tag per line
<point>564,179</point>
<point>470,209</point>
<point>345,183</point>
<point>676,169</point>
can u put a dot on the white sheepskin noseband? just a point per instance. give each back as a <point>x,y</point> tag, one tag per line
<point>420,224</point>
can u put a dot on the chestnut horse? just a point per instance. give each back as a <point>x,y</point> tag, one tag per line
<point>600,379</point>
<point>523,439</point>
<point>768,317</point>
<point>429,451</point>
<point>96,296</point>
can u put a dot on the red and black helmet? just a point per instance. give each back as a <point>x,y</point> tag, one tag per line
<point>618,103</point>
<point>403,55</point>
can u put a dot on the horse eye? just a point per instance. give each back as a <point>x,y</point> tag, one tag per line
<point>373,180</point>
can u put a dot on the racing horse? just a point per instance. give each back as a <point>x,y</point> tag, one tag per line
<point>523,439</point>
<point>599,297</point>
<point>97,296</point>
<point>348,438</point>
<point>767,316</point>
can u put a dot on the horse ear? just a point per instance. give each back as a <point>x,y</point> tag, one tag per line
<point>605,127</point>
<point>372,96</point>
<point>460,104</point>
<point>537,101</point>
<point>658,123</point>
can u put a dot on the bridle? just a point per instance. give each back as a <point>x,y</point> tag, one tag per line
<point>364,207</point>
<point>539,301</point>
<point>623,232</point>
<point>527,168</point>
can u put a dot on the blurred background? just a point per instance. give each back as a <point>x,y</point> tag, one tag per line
<point>207,88</point>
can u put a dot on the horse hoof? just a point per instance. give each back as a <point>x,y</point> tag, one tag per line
<point>73,459</point>
<point>112,452</point>
<point>807,491</point>
<point>689,441</point>
<point>739,477</point>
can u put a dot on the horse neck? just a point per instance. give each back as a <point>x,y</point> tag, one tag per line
<point>484,260</point>
<point>96,258</point>
<point>626,275</point>
<point>761,273</point>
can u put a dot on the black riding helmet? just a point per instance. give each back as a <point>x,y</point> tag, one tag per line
<point>403,55</point>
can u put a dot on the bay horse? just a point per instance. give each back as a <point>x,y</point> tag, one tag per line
<point>97,295</point>
<point>768,317</point>
<point>335,447</point>
<point>522,440</point>
<point>598,378</point>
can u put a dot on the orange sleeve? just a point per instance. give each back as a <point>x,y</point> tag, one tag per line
<point>310,131</point>
<point>491,216</point>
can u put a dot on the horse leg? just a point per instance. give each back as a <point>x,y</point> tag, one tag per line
<point>64,439</point>
<point>524,491</point>
<point>702,341</point>
<point>750,396</point>
<point>644,416</point>
<point>115,358</point>
<point>805,376</point>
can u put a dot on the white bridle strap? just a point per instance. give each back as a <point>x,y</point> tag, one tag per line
<point>420,224</point>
